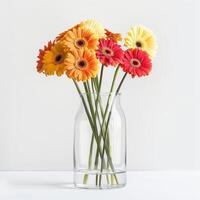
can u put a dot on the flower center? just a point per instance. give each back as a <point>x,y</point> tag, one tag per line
<point>82,64</point>
<point>58,59</point>
<point>138,44</point>
<point>135,63</point>
<point>80,43</point>
<point>107,52</point>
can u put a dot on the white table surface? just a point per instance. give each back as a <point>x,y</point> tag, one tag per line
<point>142,185</point>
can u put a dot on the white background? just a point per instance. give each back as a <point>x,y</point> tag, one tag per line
<point>162,110</point>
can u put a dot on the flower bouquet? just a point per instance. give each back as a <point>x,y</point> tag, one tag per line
<point>83,52</point>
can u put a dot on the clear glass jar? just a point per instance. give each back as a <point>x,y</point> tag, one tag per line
<point>100,142</point>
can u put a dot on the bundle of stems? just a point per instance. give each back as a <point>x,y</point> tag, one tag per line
<point>99,119</point>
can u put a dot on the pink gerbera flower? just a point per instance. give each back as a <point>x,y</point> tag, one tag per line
<point>109,53</point>
<point>136,62</point>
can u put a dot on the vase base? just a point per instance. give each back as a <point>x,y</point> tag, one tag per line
<point>93,179</point>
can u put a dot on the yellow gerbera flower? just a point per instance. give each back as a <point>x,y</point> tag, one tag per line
<point>81,65</point>
<point>53,60</point>
<point>143,38</point>
<point>80,38</point>
<point>95,27</point>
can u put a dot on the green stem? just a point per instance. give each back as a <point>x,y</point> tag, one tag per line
<point>90,122</point>
<point>89,118</point>
<point>84,104</point>
<point>108,144</point>
<point>93,126</point>
<point>88,94</point>
<point>96,86</point>
<point>109,96</point>
<point>109,116</point>
<point>85,178</point>
<point>104,117</point>
<point>96,112</point>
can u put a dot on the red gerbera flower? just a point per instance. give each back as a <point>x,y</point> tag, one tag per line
<point>41,55</point>
<point>136,62</point>
<point>109,53</point>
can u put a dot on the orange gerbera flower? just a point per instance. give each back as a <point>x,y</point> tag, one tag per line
<point>41,55</point>
<point>61,36</point>
<point>115,37</point>
<point>81,65</point>
<point>79,38</point>
<point>53,60</point>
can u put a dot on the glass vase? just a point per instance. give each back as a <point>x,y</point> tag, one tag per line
<point>100,142</point>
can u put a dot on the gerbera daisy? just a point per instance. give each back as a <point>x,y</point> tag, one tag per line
<point>53,60</point>
<point>142,38</point>
<point>95,27</point>
<point>81,65</point>
<point>79,38</point>
<point>136,62</point>
<point>61,36</point>
<point>115,37</point>
<point>41,55</point>
<point>109,53</point>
